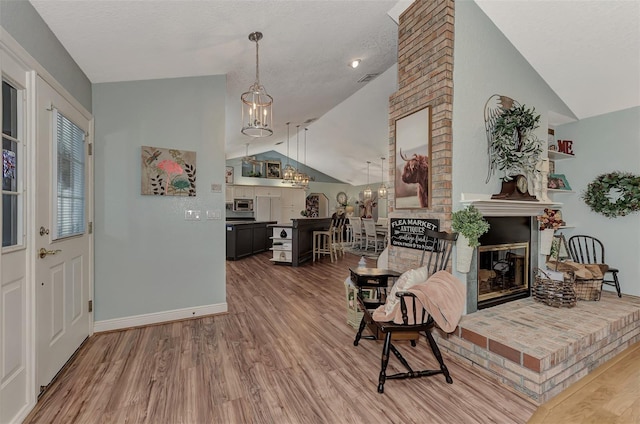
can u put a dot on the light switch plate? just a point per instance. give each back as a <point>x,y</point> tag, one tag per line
<point>192,215</point>
<point>216,188</point>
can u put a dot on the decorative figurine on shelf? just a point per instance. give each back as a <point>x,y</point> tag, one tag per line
<point>540,181</point>
<point>362,263</point>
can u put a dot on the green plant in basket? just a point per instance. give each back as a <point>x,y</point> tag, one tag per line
<point>470,223</point>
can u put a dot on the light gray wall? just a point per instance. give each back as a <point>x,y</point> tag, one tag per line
<point>602,144</point>
<point>148,258</point>
<point>20,19</point>
<point>486,63</point>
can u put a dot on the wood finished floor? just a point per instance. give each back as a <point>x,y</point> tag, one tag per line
<point>283,354</point>
<point>609,395</point>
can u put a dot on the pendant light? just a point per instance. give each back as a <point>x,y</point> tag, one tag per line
<point>367,191</point>
<point>256,103</point>
<point>382,191</point>
<point>288,171</point>
<point>297,175</point>
<point>304,181</point>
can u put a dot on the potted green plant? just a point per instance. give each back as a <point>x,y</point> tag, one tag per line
<point>514,147</point>
<point>470,225</point>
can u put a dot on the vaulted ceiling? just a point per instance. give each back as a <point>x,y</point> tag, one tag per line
<point>588,51</point>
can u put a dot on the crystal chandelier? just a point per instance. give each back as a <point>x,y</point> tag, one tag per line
<point>288,171</point>
<point>256,103</point>
<point>367,191</point>
<point>382,190</point>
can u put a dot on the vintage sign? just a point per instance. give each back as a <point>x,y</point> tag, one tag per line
<point>410,232</point>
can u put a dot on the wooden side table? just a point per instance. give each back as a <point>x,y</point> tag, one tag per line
<point>372,284</point>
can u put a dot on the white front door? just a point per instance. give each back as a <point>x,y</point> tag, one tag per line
<point>62,240</point>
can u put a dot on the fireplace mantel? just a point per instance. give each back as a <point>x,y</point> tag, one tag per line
<point>494,207</point>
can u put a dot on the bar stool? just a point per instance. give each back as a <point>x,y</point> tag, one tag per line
<point>337,236</point>
<point>323,244</point>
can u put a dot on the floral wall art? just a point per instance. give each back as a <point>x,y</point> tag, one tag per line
<point>168,172</point>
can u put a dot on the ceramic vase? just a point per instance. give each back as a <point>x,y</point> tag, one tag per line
<point>464,254</point>
<point>546,240</point>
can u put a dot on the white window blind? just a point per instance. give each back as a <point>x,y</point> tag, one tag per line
<point>69,178</point>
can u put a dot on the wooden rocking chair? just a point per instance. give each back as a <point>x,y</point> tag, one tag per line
<point>421,322</point>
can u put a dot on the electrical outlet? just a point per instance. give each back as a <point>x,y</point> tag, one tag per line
<point>214,214</point>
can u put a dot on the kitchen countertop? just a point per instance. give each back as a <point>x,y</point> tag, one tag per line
<point>249,222</point>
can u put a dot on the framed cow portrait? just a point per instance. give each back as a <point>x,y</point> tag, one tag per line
<point>413,160</point>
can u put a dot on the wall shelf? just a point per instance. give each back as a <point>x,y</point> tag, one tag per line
<point>555,155</point>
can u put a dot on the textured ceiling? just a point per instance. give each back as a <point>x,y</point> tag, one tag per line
<point>588,51</point>
<point>303,56</point>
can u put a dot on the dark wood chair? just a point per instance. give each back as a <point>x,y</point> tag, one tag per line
<point>441,244</point>
<point>589,250</point>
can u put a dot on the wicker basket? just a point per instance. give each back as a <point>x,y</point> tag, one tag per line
<point>556,293</point>
<point>588,289</point>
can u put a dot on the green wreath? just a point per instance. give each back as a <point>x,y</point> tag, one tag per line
<point>623,185</point>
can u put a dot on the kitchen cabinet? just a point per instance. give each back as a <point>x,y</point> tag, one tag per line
<point>292,244</point>
<point>243,192</point>
<point>281,242</point>
<point>267,208</point>
<point>246,238</point>
<point>292,203</point>
<point>268,191</point>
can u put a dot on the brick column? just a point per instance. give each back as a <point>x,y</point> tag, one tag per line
<point>425,78</point>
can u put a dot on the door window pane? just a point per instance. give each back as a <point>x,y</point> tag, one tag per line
<point>11,173</point>
<point>9,110</point>
<point>9,220</point>
<point>69,178</point>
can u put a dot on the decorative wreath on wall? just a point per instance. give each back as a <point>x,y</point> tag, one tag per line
<point>614,194</point>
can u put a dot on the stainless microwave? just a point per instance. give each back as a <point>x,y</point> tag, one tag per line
<point>243,205</point>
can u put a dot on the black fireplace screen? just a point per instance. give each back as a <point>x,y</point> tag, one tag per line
<point>503,272</point>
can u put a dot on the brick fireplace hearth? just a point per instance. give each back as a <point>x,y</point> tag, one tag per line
<point>538,350</point>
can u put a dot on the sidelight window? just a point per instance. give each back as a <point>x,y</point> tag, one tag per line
<point>12,164</point>
<point>68,178</point>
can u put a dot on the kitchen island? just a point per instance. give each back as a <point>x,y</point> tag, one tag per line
<point>246,238</point>
<point>293,243</point>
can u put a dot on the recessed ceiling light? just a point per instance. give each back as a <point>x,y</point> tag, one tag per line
<point>354,63</point>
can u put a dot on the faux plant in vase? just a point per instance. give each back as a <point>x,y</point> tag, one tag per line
<point>514,147</point>
<point>549,221</point>
<point>470,225</point>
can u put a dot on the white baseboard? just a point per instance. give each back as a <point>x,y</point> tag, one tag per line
<point>158,317</point>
